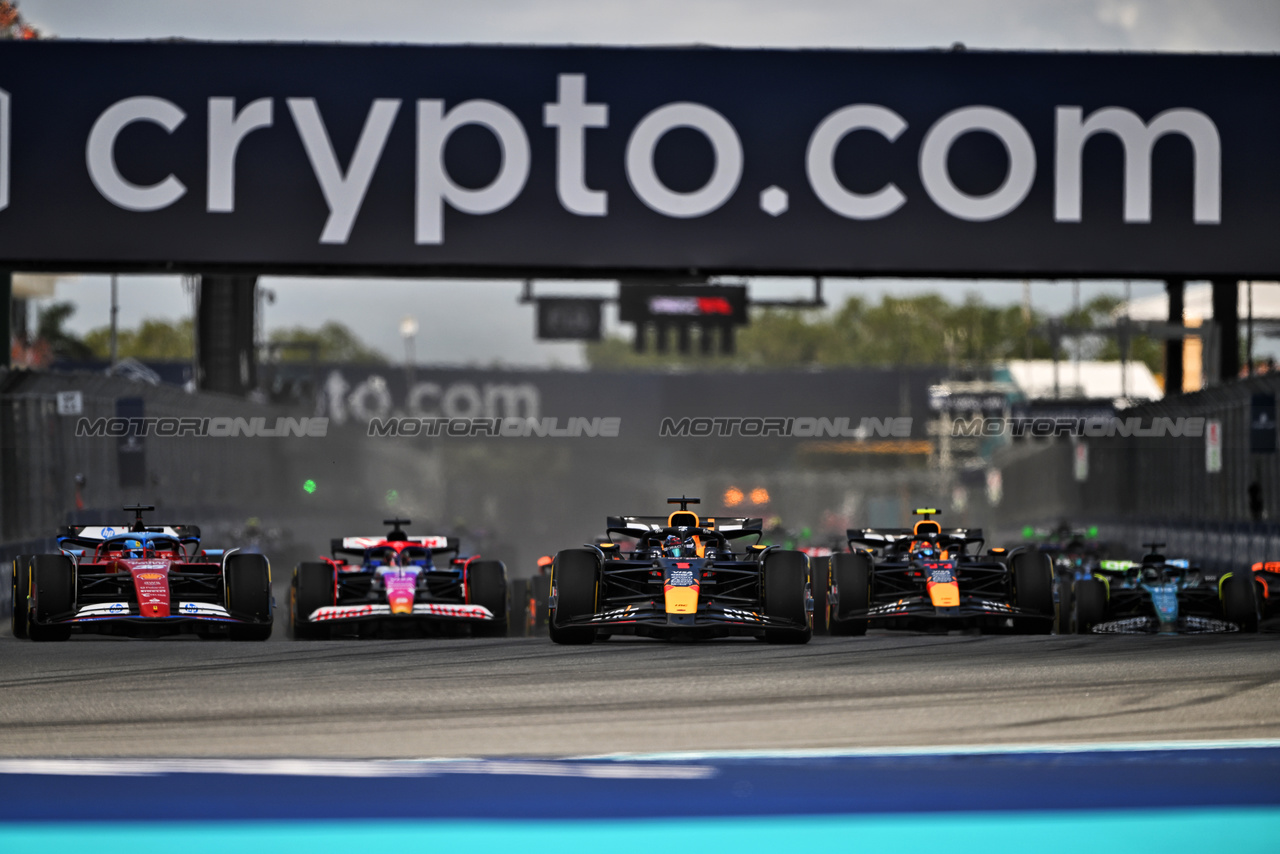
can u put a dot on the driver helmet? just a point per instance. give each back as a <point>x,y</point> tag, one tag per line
<point>673,546</point>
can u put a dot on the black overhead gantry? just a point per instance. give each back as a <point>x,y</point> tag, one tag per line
<point>236,160</point>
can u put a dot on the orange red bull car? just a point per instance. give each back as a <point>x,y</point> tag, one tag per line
<point>932,578</point>
<point>680,576</point>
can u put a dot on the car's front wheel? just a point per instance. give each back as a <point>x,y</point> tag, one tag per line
<point>851,577</point>
<point>248,578</point>
<point>1091,604</point>
<point>785,583</point>
<point>21,587</point>
<point>53,585</point>
<point>487,584</point>
<point>312,589</point>
<point>574,583</point>
<point>1033,590</point>
<point>1239,604</point>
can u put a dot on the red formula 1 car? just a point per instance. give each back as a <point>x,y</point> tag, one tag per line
<point>141,580</point>
<point>395,582</point>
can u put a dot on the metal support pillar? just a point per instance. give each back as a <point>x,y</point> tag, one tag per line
<point>225,334</point>
<point>1226,317</point>
<point>6,316</point>
<point>1173,367</point>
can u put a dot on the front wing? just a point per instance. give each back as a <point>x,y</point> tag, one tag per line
<point>920,607</point>
<point>421,610</point>
<point>709,619</point>
<point>122,612</point>
<point>1132,611</point>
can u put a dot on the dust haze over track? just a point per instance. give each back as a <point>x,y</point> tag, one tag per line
<point>437,698</point>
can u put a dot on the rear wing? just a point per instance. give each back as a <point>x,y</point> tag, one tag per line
<point>357,545</point>
<point>879,538</point>
<point>94,535</point>
<point>1126,565</point>
<point>731,527</point>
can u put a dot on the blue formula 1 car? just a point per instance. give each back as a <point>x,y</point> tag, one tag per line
<point>1162,595</point>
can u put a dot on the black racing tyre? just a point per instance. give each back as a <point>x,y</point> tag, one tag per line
<point>312,588</point>
<point>248,578</point>
<point>21,586</point>
<point>1090,596</point>
<point>1033,590</point>
<point>574,578</point>
<point>518,618</point>
<point>487,585</point>
<point>1066,607</point>
<point>53,587</point>
<point>851,577</point>
<point>820,585</point>
<point>1239,601</point>
<point>786,574</point>
<point>539,590</point>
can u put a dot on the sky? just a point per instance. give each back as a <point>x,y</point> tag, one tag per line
<point>481,323</point>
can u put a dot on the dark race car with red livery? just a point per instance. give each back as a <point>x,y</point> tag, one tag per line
<point>141,580</point>
<point>398,582</point>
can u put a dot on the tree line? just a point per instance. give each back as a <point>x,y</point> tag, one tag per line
<point>897,331</point>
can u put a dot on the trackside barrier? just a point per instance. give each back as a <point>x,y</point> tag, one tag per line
<point>41,456</point>
<point>1157,488</point>
<point>1216,546</point>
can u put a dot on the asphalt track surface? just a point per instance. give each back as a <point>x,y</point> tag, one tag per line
<point>528,697</point>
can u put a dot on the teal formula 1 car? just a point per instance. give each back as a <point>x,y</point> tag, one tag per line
<point>1162,595</point>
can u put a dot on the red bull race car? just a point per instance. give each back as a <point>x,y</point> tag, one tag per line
<point>680,578</point>
<point>141,580</point>
<point>398,581</point>
<point>936,579</point>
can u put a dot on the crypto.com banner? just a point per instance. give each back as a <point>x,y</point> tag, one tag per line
<point>540,160</point>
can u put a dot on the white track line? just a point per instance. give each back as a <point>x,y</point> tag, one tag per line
<point>940,750</point>
<point>352,768</point>
<point>617,766</point>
